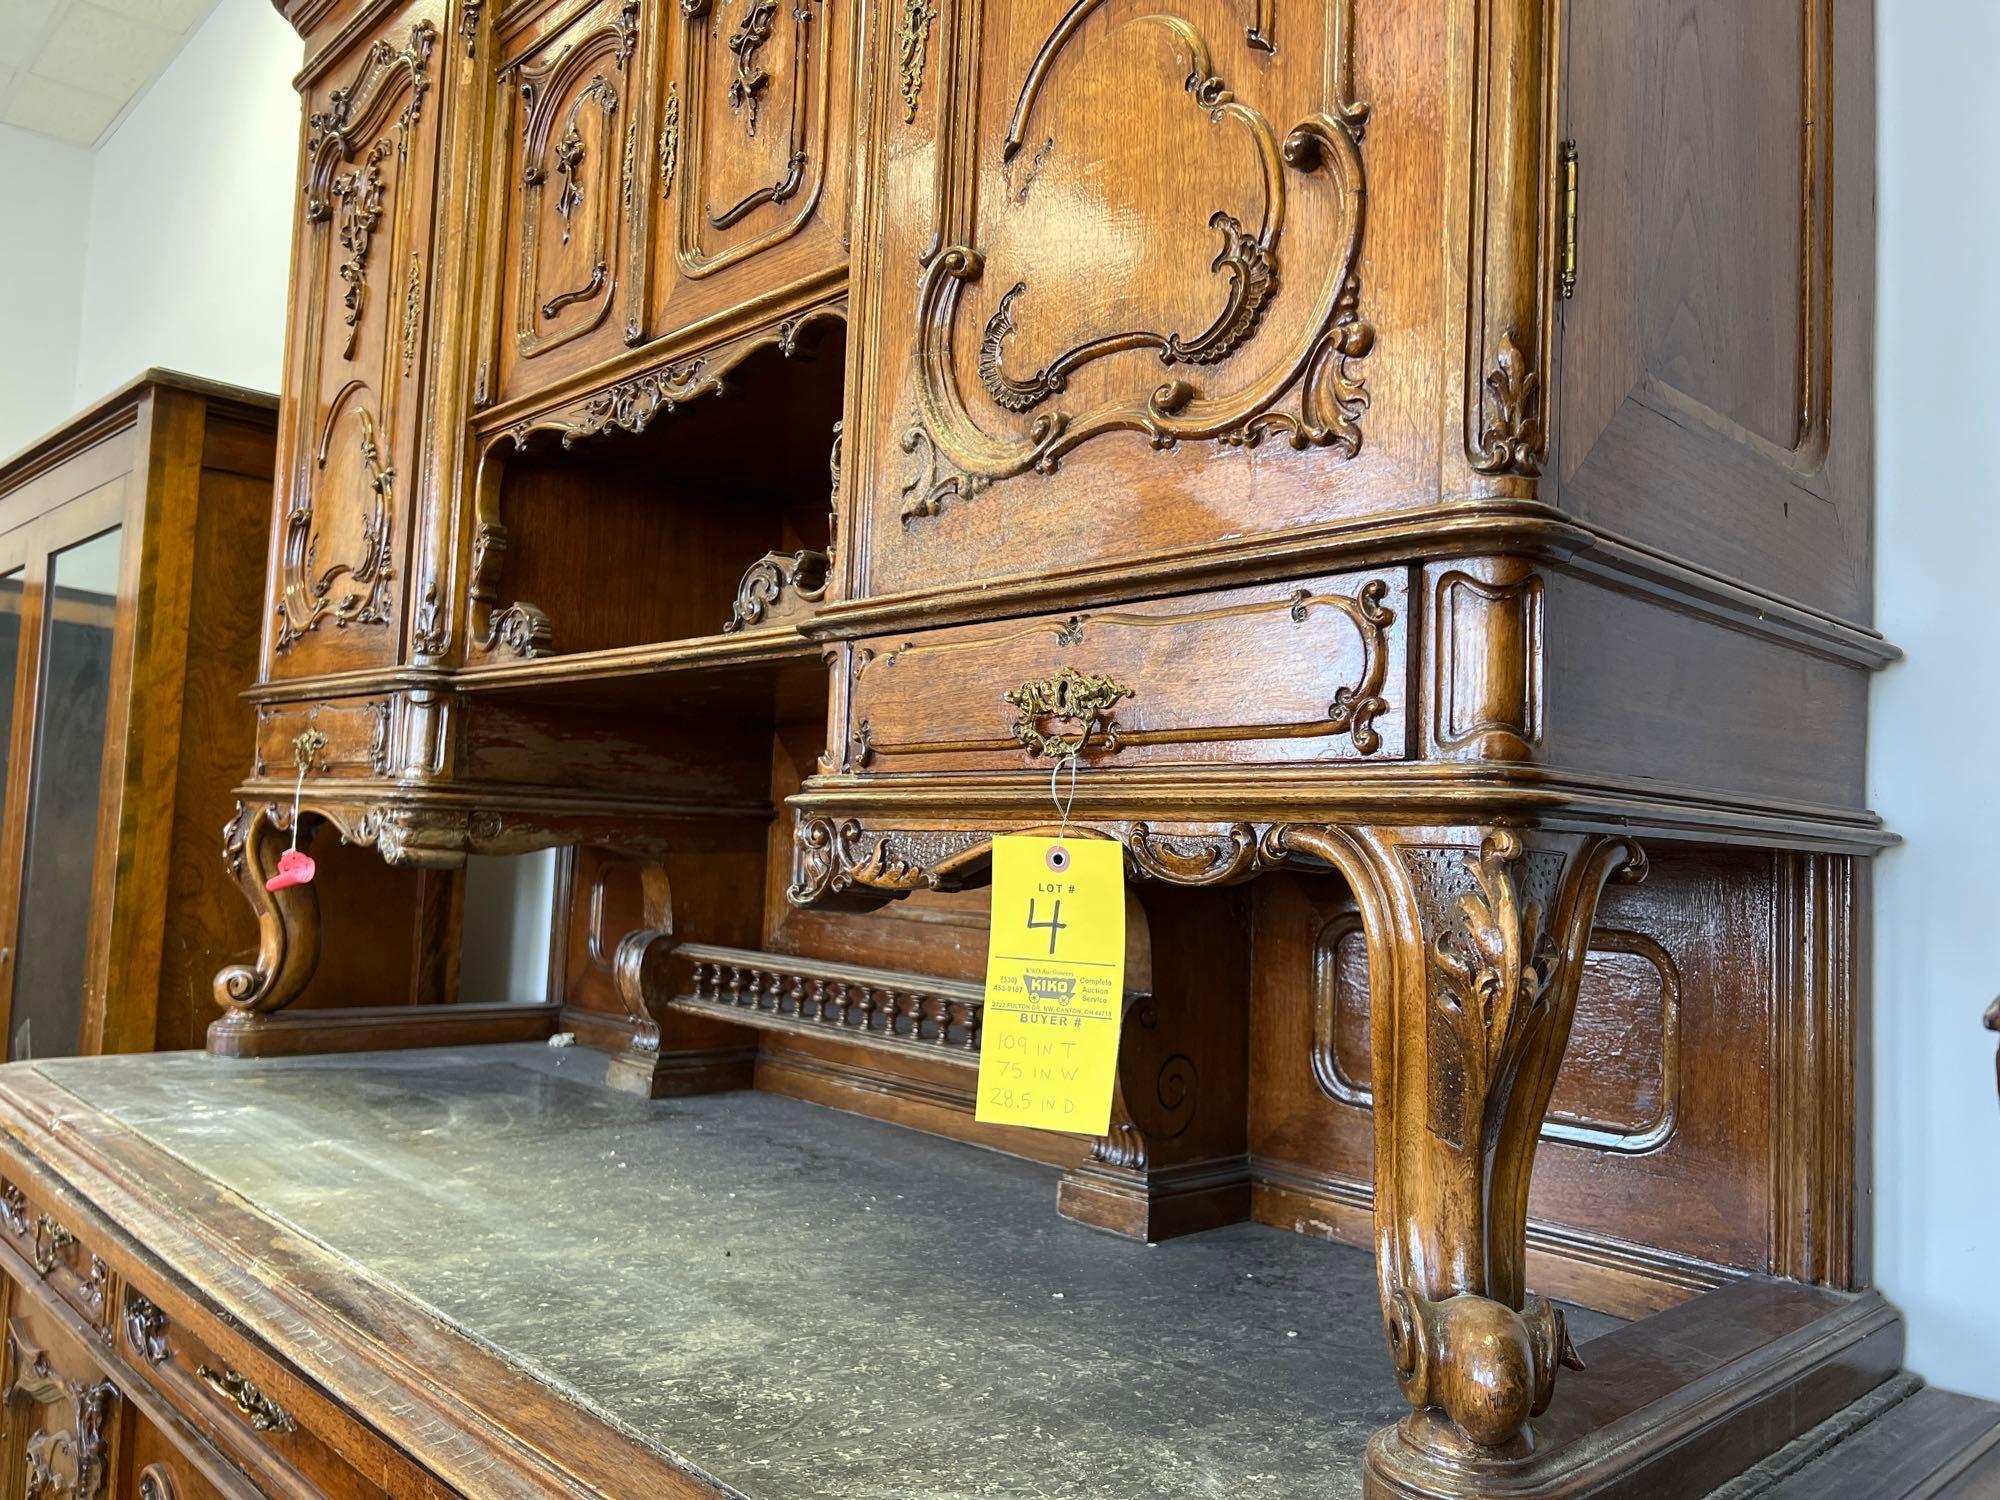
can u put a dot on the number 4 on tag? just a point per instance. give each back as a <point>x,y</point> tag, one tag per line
<point>1055,984</point>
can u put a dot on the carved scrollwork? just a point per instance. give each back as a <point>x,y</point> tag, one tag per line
<point>14,1211</point>
<point>913,33</point>
<point>800,576</point>
<point>1322,370</point>
<point>308,597</point>
<point>1510,440</point>
<point>747,87</point>
<point>830,858</point>
<point>629,406</point>
<point>570,106</point>
<point>1193,860</point>
<point>521,629</point>
<point>670,138</point>
<point>1069,697</point>
<point>930,480</point>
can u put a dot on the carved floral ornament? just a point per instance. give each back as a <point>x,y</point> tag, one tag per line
<point>1228,383</point>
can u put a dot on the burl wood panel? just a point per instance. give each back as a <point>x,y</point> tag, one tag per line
<point>1660,1132</point>
<point>1715,396</point>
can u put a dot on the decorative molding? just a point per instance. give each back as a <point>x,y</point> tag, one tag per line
<point>413,311</point>
<point>912,42</point>
<point>258,1409</point>
<point>90,1289</point>
<point>830,858</point>
<point>1488,649</point>
<point>670,138</point>
<point>468,24</point>
<point>628,406</point>
<point>800,576</point>
<point>156,1482</point>
<point>1510,439</point>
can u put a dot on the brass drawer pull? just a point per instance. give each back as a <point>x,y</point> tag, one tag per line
<point>258,1409</point>
<point>1069,697</point>
<point>50,1239</point>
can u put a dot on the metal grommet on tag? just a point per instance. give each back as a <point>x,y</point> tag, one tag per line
<point>1057,859</point>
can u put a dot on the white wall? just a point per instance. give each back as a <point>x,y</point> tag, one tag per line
<point>1935,746</point>
<point>41,281</point>
<point>191,213</point>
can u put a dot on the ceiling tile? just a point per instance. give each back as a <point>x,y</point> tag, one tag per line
<point>56,109</point>
<point>169,15</point>
<point>103,53</point>
<point>23,23</point>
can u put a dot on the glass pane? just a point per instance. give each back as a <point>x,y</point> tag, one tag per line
<point>80,614</point>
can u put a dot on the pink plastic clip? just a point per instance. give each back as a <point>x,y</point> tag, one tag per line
<point>294,868</point>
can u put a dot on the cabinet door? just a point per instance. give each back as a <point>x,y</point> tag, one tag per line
<point>1110,255</point>
<point>361,287</point>
<point>752,153</point>
<point>571,99</point>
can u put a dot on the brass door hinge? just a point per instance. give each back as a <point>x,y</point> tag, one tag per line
<point>1566,269</point>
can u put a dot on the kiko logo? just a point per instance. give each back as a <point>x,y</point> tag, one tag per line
<point>1050,989</point>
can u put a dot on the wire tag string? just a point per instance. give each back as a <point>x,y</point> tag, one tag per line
<point>1058,857</point>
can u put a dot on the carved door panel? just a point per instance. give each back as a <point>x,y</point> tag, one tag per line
<point>1115,289</point>
<point>752,153</point>
<point>361,284</point>
<point>570,92</point>
<point>62,1415</point>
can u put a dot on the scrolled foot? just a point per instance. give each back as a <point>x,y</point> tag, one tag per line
<point>1485,1366</point>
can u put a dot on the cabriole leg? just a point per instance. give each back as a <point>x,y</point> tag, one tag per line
<point>288,930</point>
<point>1476,940</point>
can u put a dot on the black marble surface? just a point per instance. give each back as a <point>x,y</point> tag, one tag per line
<point>798,1302</point>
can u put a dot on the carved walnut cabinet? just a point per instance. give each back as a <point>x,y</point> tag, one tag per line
<point>1414,456</point>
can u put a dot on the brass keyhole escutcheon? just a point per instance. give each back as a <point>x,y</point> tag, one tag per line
<point>1068,698</point>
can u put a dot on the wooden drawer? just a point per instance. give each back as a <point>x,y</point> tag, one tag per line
<point>353,737</point>
<point>62,1262</point>
<point>1312,669</point>
<point>247,1401</point>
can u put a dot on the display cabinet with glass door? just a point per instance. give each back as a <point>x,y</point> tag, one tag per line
<point>129,603</point>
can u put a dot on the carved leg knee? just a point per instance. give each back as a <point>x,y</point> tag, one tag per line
<point>1476,938</point>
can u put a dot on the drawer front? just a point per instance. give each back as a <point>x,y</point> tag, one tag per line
<point>245,1400</point>
<point>1308,670</point>
<point>345,737</point>
<point>63,1262</point>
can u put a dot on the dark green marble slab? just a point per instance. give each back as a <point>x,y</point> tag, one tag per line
<point>798,1302</point>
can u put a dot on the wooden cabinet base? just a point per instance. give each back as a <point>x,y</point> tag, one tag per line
<point>376,1028</point>
<point>1672,1405</point>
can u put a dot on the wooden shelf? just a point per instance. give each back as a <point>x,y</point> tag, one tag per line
<point>719,671</point>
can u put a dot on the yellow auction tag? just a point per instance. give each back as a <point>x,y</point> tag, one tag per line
<point>1055,984</point>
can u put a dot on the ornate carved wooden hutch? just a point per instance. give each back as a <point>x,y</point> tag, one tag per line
<point>1414,454</point>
